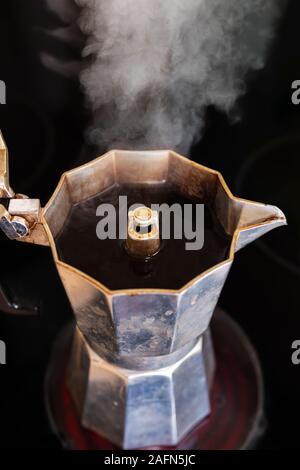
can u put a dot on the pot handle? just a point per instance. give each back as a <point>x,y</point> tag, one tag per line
<point>20,216</point>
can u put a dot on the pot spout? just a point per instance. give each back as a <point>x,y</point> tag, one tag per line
<point>255,220</point>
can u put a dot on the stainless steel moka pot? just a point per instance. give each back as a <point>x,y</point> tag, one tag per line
<point>142,363</point>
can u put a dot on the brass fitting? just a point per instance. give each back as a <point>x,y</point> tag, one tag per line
<point>143,232</point>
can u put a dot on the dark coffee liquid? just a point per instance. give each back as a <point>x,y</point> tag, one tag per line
<point>108,261</point>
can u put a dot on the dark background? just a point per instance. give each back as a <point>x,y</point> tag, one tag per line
<point>43,123</point>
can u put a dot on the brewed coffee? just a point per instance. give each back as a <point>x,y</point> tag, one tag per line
<point>108,261</point>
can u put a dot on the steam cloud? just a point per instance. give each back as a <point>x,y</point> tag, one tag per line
<point>153,66</point>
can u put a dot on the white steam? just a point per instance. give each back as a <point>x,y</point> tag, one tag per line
<point>153,66</point>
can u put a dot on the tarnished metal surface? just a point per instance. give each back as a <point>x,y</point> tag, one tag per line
<point>142,360</point>
<point>137,408</point>
<point>151,322</point>
<point>147,381</point>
